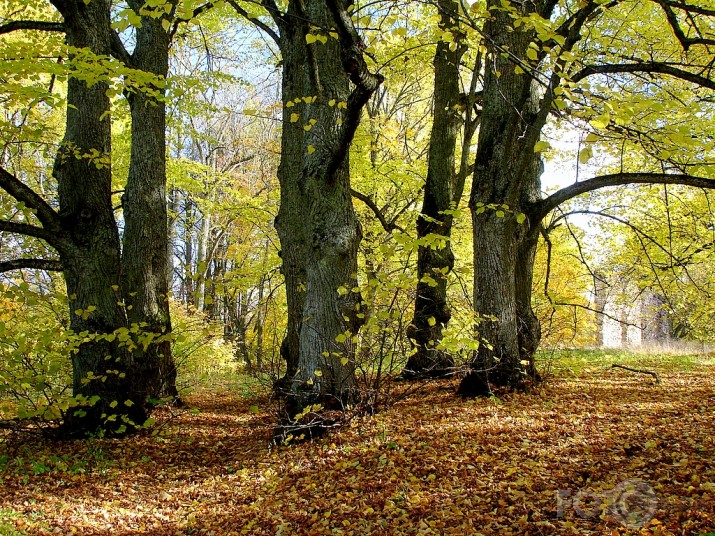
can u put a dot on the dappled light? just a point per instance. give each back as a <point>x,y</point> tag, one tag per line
<point>432,463</point>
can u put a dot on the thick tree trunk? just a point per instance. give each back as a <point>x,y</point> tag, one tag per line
<point>505,185</point>
<point>145,258</point>
<point>319,231</point>
<point>102,369</point>
<point>434,227</point>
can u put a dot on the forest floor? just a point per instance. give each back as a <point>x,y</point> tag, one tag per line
<point>595,451</point>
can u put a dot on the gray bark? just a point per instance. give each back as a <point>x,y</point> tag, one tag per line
<point>92,266</point>
<point>507,173</point>
<point>316,223</point>
<point>145,242</point>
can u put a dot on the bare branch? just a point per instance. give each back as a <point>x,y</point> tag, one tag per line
<point>258,23</point>
<point>543,207</point>
<point>26,229</point>
<point>50,265</point>
<point>387,225</point>
<point>52,230</point>
<point>651,67</point>
<point>37,25</point>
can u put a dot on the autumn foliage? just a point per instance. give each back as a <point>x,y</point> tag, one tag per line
<point>433,464</point>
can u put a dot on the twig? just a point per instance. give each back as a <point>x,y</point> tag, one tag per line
<point>654,374</point>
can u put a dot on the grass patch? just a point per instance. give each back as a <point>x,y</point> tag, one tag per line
<point>574,362</point>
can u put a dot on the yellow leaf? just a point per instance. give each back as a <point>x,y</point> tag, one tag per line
<point>318,373</point>
<point>311,149</point>
<point>294,117</point>
<point>585,155</point>
<point>310,39</point>
<point>601,121</point>
<point>541,146</point>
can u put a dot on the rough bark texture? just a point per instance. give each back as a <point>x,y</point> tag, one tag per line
<point>91,264</point>
<point>434,227</point>
<point>145,241</point>
<point>296,83</point>
<point>317,225</point>
<point>507,172</point>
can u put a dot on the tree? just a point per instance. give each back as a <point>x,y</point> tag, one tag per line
<point>83,231</point>
<point>540,57</point>
<point>443,192</point>
<point>316,223</point>
<point>145,245</point>
<point>116,294</point>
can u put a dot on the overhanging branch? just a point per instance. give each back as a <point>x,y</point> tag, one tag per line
<point>652,67</point>
<point>51,230</point>
<point>50,265</point>
<point>543,207</point>
<point>37,25</point>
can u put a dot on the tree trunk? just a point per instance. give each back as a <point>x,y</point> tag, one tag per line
<point>187,282</point>
<point>289,222</point>
<point>102,369</point>
<point>599,301</point>
<point>145,252</point>
<point>316,223</point>
<point>434,226</point>
<point>202,261</point>
<point>505,186</point>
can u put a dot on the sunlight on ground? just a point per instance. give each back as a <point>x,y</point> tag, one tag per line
<point>542,463</point>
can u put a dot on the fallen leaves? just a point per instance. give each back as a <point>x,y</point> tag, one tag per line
<point>433,464</point>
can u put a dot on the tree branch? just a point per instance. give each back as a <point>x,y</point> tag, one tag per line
<point>256,22</point>
<point>541,208</point>
<point>366,83</point>
<point>119,51</point>
<point>690,8</point>
<point>50,265</point>
<point>51,230</point>
<point>651,67</point>
<point>38,25</point>
<point>641,371</point>
<point>387,225</point>
<point>27,230</point>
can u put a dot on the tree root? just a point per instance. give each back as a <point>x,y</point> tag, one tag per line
<point>654,374</point>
